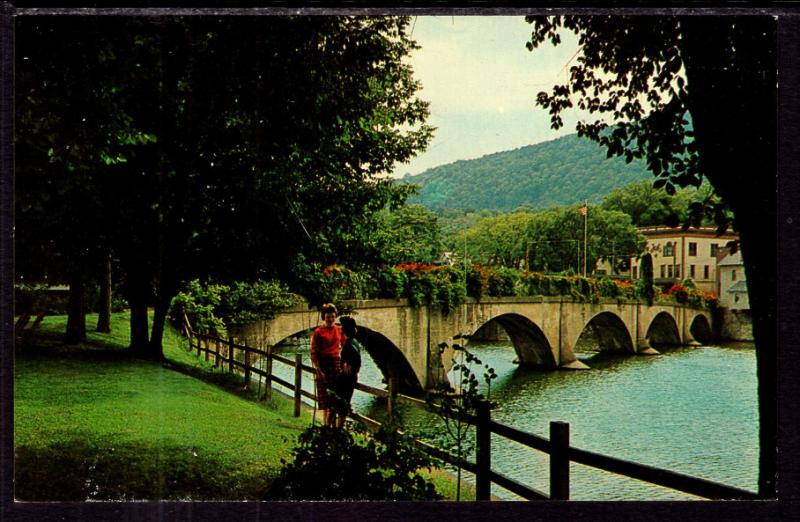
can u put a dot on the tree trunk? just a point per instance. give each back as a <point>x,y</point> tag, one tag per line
<point>104,311</point>
<point>733,112</point>
<point>76,319</point>
<point>137,298</point>
<point>159,323</point>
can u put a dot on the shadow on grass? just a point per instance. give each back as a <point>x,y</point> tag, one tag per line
<point>50,343</point>
<point>47,343</point>
<point>221,378</point>
<point>76,470</point>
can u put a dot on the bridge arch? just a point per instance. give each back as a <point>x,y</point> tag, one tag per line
<point>390,360</point>
<point>700,328</point>
<point>384,353</point>
<point>663,331</point>
<point>530,342</point>
<point>609,331</point>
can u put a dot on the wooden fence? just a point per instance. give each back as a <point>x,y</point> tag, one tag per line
<point>557,446</point>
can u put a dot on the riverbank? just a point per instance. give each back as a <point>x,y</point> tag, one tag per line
<point>91,423</point>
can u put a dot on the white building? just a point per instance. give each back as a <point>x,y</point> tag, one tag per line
<point>683,254</point>
<point>731,283</point>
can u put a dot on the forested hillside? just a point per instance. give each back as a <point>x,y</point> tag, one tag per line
<point>563,171</point>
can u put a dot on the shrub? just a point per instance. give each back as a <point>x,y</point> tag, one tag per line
<point>583,288</point>
<point>477,281</point>
<point>391,282</point>
<point>687,293</point>
<point>333,464</point>
<point>678,292</point>
<point>615,288</point>
<point>245,303</point>
<point>213,308</point>
<point>199,303</point>
<point>536,283</point>
<point>441,286</point>
<point>501,281</point>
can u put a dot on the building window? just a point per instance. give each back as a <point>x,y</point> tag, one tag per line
<point>669,271</point>
<point>669,250</point>
<point>705,272</point>
<point>733,275</point>
<point>678,271</point>
<point>663,271</point>
<point>714,248</point>
<point>692,249</point>
<point>691,271</point>
<point>736,298</point>
<point>636,272</point>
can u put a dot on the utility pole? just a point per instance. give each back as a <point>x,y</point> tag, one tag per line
<point>585,212</point>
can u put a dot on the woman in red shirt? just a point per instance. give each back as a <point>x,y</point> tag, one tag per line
<point>326,343</point>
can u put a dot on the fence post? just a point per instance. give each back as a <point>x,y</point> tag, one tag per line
<point>559,460</point>
<point>268,377</point>
<point>216,352</point>
<point>230,353</point>
<point>187,329</point>
<point>483,456</point>
<point>207,351</point>
<point>298,381</point>
<point>393,385</point>
<point>246,365</point>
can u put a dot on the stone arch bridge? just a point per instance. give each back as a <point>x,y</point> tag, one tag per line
<point>405,341</point>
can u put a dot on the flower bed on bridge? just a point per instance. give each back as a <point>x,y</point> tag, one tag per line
<point>214,308</point>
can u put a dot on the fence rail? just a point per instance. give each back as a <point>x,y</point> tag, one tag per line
<point>557,446</point>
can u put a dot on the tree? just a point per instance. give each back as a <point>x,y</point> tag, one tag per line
<point>72,134</point>
<point>551,240</point>
<point>255,151</point>
<point>409,234</point>
<point>678,92</point>
<point>496,239</point>
<point>650,206</point>
<point>645,283</point>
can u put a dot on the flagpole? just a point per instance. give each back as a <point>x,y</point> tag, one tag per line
<point>585,232</point>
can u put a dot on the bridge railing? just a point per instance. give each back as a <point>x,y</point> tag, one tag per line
<point>223,353</point>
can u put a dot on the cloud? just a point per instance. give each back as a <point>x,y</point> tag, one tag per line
<point>477,64</point>
<point>482,82</point>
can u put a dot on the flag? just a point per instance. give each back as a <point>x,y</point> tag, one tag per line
<point>583,210</point>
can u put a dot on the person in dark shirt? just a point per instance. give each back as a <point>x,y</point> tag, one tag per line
<point>350,364</point>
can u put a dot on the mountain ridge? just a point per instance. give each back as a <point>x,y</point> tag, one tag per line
<point>563,171</point>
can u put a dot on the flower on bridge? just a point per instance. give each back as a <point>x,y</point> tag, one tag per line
<point>416,267</point>
<point>331,270</point>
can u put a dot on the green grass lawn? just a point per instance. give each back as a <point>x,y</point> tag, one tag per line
<point>93,423</point>
<point>90,422</point>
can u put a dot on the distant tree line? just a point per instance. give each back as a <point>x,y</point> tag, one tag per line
<point>551,240</point>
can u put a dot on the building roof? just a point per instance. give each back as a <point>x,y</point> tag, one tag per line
<point>732,259</point>
<point>690,232</point>
<point>738,286</point>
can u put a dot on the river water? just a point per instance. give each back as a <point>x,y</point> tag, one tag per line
<point>692,410</point>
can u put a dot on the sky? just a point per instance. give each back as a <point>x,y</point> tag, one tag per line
<point>481,82</point>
